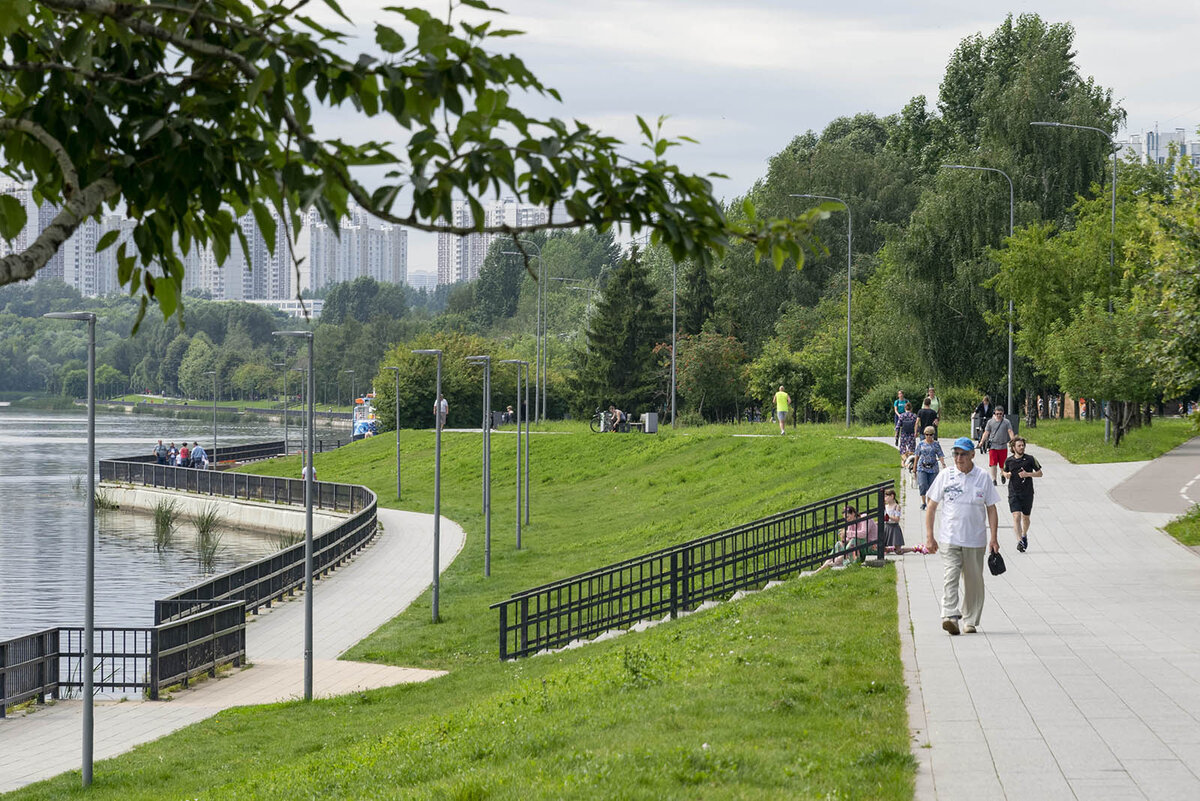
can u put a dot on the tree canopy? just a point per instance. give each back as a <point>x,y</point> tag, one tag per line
<point>185,116</point>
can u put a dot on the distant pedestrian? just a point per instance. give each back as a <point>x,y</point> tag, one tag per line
<point>783,404</point>
<point>983,413</point>
<point>996,435</point>
<point>893,536</point>
<point>199,457</point>
<point>172,452</point>
<point>441,409</point>
<point>898,407</point>
<point>908,429</point>
<point>934,403</point>
<point>968,532</point>
<point>1021,469</point>
<point>930,460</point>
<point>928,417</point>
<point>304,472</point>
<point>185,455</point>
<point>160,453</point>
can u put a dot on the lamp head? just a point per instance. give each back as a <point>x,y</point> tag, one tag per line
<point>302,334</point>
<point>88,316</point>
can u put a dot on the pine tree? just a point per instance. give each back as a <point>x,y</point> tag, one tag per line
<point>619,367</point>
<point>697,303</point>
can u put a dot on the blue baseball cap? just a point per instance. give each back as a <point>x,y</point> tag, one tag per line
<point>963,444</point>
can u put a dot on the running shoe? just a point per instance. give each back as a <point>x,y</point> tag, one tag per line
<point>1023,544</point>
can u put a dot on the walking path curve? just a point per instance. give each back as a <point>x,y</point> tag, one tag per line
<point>348,605</point>
<point>1084,680</point>
<point>1170,483</point>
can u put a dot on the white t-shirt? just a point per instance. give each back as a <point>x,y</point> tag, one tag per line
<point>963,499</point>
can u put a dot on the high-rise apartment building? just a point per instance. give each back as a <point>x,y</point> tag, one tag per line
<point>460,257</point>
<point>362,245</point>
<point>1153,147</point>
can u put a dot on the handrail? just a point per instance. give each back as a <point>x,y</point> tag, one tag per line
<point>679,577</point>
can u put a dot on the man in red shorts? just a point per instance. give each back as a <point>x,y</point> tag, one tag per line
<point>996,435</point>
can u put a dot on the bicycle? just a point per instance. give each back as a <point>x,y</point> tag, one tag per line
<point>600,422</point>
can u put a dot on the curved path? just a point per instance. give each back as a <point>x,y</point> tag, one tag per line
<point>1170,483</point>
<point>349,604</point>
<point>1084,681</point>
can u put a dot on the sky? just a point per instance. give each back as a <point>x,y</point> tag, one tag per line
<point>744,78</point>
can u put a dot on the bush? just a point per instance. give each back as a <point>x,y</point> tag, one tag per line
<point>876,405</point>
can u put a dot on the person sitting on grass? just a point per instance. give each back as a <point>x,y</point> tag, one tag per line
<point>616,418</point>
<point>852,543</point>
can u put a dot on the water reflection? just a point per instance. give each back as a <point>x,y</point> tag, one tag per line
<point>43,455</point>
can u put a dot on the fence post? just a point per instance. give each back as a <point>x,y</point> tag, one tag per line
<point>155,673</point>
<point>4,673</point>
<point>523,628</point>
<point>674,584</point>
<point>879,523</point>
<point>504,632</point>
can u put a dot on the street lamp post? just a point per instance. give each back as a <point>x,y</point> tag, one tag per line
<point>285,406</point>
<point>849,263</point>
<point>1011,212</point>
<point>213,373</point>
<point>1112,231</point>
<point>486,361</point>
<point>437,473</point>
<point>308,516</point>
<point>539,338</point>
<point>352,393</point>
<point>396,401</point>
<point>89,595</point>
<point>519,364</point>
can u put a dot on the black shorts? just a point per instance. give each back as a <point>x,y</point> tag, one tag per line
<point>1022,503</point>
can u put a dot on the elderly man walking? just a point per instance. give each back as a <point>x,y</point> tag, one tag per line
<point>968,532</point>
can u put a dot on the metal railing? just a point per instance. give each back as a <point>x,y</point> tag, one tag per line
<point>145,659</point>
<point>681,577</point>
<point>201,627</point>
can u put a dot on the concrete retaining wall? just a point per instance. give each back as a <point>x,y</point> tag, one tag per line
<point>259,515</point>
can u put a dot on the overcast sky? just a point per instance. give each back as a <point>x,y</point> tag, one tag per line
<point>744,78</point>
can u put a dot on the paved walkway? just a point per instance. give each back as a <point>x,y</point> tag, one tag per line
<point>1170,483</point>
<point>1084,681</point>
<point>348,605</point>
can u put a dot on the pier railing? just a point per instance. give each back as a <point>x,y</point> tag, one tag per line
<point>679,578</point>
<point>145,659</point>
<point>202,627</point>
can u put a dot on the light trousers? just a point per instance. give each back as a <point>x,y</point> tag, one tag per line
<point>965,565</point>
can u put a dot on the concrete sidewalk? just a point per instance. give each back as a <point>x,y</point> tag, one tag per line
<point>1084,680</point>
<point>348,605</point>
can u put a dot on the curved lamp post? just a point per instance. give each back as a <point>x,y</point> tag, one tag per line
<point>396,402</point>
<point>486,361</point>
<point>849,262</point>
<point>89,596</point>
<point>1011,208</point>
<point>539,337</point>
<point>437,473</point>
<point>1112,231</point>
<point>308,516</point>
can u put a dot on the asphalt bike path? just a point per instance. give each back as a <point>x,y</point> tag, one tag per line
<point>348,605</point>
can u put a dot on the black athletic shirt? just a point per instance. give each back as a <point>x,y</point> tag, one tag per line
<point>1014,465</point>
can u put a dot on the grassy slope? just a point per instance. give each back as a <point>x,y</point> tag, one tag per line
<point>798,692</point>
<point>1083,442</point>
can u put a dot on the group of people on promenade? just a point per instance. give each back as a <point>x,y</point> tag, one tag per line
<point>183,456</point>
<point>967,496</point>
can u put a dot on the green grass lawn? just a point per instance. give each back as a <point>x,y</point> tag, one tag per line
<point>1083,442</point>
<point>1186,527</point>
<point>796,692</point>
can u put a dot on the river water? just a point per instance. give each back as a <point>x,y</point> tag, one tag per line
<point>43,517</point>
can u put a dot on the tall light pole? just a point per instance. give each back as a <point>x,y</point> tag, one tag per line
<point>849,263</point>
<point>519,364</point>
<point>310,386</point>
<point>396,401</point>
<point>89,593</point>
<point>539,338</point>
<point>437,473</point>
<point>527,440</point>
<point>213,373</point>
<point>486,361</point>
<point>674,295</point>
<point>1011,212</point>
<point>1112,231</point>
<point>282,365</point>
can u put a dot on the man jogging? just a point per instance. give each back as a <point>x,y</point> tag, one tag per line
<point>1021,469</point>
<point>996,435</point>
<point>783,403</point>
<point>968,532</point>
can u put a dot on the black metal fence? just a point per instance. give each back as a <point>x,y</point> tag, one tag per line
<point>681,577</point>
<point>203,626</point>
<point>139,659</point>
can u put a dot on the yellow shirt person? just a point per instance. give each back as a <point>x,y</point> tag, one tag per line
<point>783,404</point>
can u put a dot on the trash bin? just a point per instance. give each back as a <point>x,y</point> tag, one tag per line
<point>651,420</point>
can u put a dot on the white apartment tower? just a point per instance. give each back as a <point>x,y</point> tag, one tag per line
<point>460,257</point>
<point>363,245</point>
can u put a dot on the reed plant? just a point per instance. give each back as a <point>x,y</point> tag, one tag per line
<point>208,536</point>
<point>104,501</point>
<point>166,515</point>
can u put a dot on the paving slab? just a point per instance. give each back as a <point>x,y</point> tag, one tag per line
<point>1084,680</point>
<point>348,604</point>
